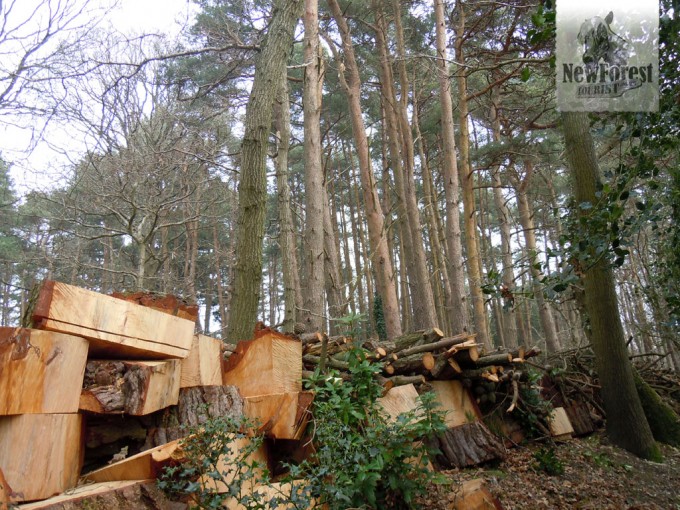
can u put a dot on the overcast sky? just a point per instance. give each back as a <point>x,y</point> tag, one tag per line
<point>131,16</point>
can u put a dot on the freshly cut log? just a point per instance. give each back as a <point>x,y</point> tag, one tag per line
<point>40,454</point>
<point>41,372</point>
<point>132,387</point>
<point>444,343</point>
<point>473,495</point>
<point>124,495</point>
<point>400,399</point>
<point>494,359</point>
<point>143,466</point>
<point>196,405</point>
<point>270,363</point>
<point>203,366</point>
<point>467,357</point>
<point>280,415</point>
<point>468,445</point>
<point>456,401</point>
<point>163,303</point>
<point>115,328</point>
<point>560,426</point>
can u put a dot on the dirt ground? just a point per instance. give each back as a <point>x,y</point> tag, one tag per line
<point>596,476</point>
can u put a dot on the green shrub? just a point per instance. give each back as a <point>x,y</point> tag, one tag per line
<point>362,459</point>
<point>548,462</point>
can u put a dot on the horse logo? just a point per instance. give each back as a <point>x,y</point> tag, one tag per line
<point>601,43</point>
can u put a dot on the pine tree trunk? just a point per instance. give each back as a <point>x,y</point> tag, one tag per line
<point>271,64</point>
<point>459,312</point>
<point>626,422</point>
<point>287,234</point>
<point>424,311</point>
<point>544,312</point>
<point>374,215</point>
<point>467,179</point>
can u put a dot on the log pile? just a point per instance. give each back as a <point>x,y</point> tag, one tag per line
<point>97,396</point>
<point>110,385</point>
<point>465,380</point>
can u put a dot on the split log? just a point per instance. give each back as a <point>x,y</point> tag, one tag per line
<point>132,387</point>
<point>203,366</point>
<point>468,445</point>
<point>473,495</point>
<point>270,363</point>
<point>41,454</point>
<point>280,415</point>
<point>196,405</point>
<point>456,401</point>
<point>165,303</point>
<point>145,465</point>
<point>115,328</point>
<point>41,372</point>
<point>138,494</point>
<point>398,400</point>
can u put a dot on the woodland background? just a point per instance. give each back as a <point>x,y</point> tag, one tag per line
<point>453,206</point>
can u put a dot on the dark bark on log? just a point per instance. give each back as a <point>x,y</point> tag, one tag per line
<point>196,405</point>
<point>468,445</point>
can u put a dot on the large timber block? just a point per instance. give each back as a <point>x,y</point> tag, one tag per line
<point>132,387</point>
<point>40,454</point>
<point>203,366</point>
<point>137,494</point>
<point>399,400</point>
<point>560,426</point>
<point>115,328</point>
<point>41,372</point>
<point>269,363</point>
<point>455,400</point>
<point>280,415</point>
<point>473,495</point>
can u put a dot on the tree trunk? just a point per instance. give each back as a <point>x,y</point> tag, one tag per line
<point>467,178</point>
<point>458,314</point>
<point>626,422</point>
<point>287,234</point>
<point>527,222</point>
<point>313,314</point>
<point>424,312</point>
<point>508,273</point>
<point>374,214</point>
<point>253,186</point>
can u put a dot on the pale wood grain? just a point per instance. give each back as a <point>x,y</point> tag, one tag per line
<point>41,372</point>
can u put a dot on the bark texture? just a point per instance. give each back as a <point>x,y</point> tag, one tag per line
<point>252,191</point>
<point>626,422</point>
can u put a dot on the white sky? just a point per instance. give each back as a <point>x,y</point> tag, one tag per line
<point>130,16</point>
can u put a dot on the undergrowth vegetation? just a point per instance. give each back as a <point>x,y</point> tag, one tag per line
<point>361,458</point>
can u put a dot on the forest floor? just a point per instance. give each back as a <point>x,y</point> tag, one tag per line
<point>596,476</point>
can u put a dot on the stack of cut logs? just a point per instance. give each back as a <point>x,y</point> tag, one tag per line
<point>97,395</point>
